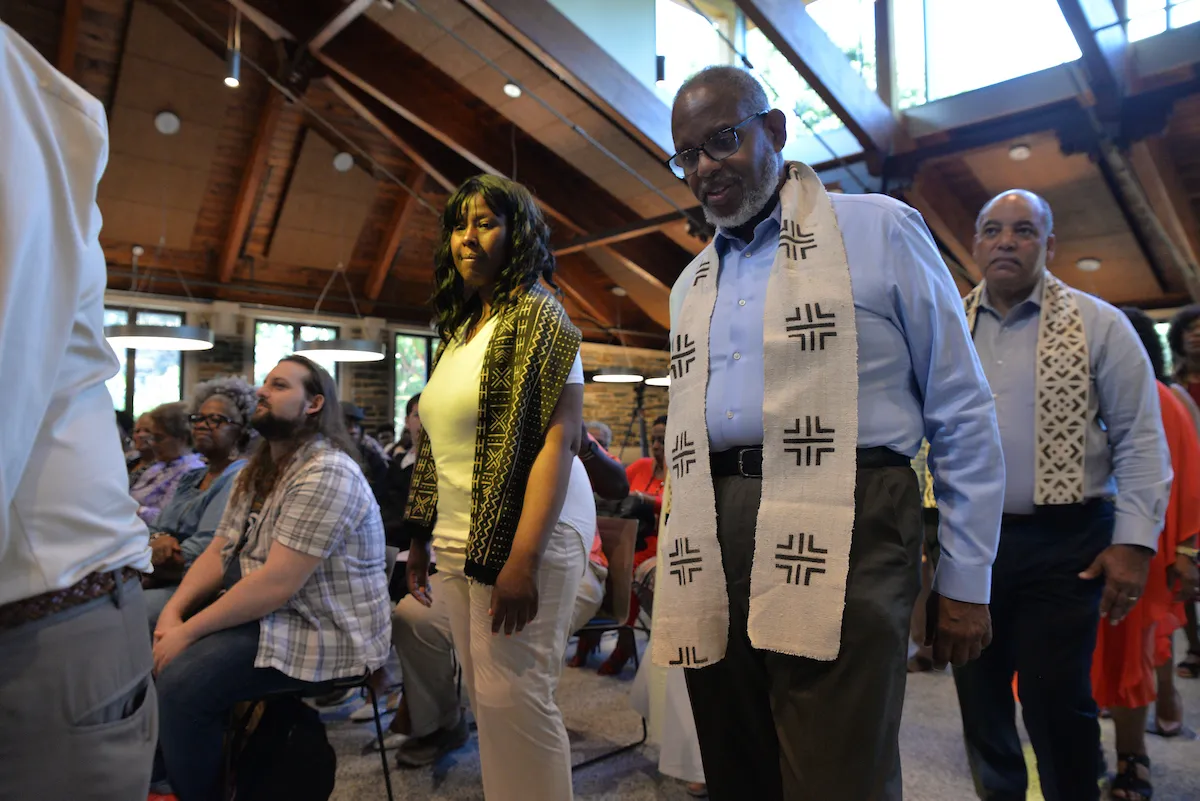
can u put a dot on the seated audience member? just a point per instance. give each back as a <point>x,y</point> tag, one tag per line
<point>300,556</point>
<point>140,458</point>
<point>171,441</point>
<point>385,435</point>
<point>222,409</point>
<point>395,493</point>
<point>601,433</point>
<point>646,479</point>
<point>1184,339</point>
<point>372,457</point>
<point>1128,654</point>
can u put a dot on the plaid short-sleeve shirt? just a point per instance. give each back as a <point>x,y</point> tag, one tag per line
<point>339,623</point>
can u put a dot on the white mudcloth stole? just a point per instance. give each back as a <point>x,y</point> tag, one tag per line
<point>810,434</point>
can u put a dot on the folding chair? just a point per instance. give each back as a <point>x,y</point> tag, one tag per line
<point>617,539</point>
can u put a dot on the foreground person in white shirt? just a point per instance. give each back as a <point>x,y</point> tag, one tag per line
<point>77,704</point>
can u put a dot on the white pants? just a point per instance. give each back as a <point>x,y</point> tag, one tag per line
<point>421,636</point>
<point>591,595</point>
<point>524,752</point>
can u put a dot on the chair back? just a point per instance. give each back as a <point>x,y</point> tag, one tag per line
<point>617,539</point>
<point>389,560</point>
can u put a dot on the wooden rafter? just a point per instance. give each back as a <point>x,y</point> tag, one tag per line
<point>623,233</point>
<point>243,207</point>
<point>796,35</point>
<point>394,235</point>
<point>1160,180</point>
<point>68,43</point>
<point>1096,26</point>
<point>353,10</point>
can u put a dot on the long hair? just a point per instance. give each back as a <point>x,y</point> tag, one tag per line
<point>1179,325</point>
<point>528,252</point>
<point>262,471</point>
<point>1151,343</point>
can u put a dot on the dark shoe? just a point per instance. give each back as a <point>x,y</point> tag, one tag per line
<point>1128,783</point>
<point>1189,668</point>
<point>615,662</point>
<point>419,752</point>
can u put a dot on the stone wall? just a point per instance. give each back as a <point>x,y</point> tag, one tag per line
<point>370,386</point>
<point>614,404</point>
<point>230,355</point>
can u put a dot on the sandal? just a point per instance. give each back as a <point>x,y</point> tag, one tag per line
<point>1189,668</point>
<point>1127,782</point>
<point>615,662</point>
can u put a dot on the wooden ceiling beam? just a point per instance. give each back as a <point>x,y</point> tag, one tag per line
<point>947,218</point>
<point>353,10</point>
<point>625,232</point>
<point>1096,26</point>
<point>1160,179</point>
<point>796,35</point>
<point>68,41</point>
<point>551,39</point>
<point>394,235</point>
<point>245,202</point>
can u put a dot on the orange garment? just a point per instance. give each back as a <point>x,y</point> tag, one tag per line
<point>1126,654</point>
<point>641,479</point>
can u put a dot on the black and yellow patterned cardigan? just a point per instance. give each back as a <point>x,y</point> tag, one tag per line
<point>525,369</point>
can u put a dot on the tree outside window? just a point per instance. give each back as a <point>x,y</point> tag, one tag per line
<point>146,378</point>
<point>412,371</point>
<point>275,340</point>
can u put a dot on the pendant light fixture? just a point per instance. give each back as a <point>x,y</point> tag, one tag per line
<point>659,381</point>
<point>233,50</point>
<point>158,337</point>
<point>348,349</point>
<point>618,375</point>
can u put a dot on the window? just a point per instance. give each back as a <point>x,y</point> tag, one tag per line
<point>947,47</point>
<point>414,354</point>
<point>1168,357</point>
<point>146,378</point>
<point>1147,18</point>
<point>274,340</point>
<point>688,43</point>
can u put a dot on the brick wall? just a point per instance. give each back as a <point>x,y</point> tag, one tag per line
<point>613,404</point>
<point>371,388</point>
<point>229,356</point>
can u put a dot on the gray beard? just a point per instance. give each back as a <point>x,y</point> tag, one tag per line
<point>754,200</point>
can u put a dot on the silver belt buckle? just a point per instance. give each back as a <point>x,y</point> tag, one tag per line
<point>741,463</point>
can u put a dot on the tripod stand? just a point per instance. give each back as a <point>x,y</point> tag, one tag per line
<point>638,415</point>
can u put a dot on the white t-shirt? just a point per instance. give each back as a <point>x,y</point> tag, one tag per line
<point>450,413</point>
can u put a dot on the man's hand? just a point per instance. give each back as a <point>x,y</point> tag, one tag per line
<point>417,572</point>
<point>515,596</point>
<point>170,645</point>
<point>1125,568</point>
<point>164,549</point>
<point>958,631</point>
<point>1184,578</point>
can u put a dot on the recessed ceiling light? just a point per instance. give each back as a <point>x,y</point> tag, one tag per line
<point>1088,265</point>
<point>659,381</point>
<point>619,291</point>
<point>512,90</point>
<point>343,161</point>
<point>167,123</point>
<point>1020,152</point>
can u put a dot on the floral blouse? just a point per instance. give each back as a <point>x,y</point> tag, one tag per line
<point>154,488</point>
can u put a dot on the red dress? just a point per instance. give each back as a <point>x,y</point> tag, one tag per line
<point>641,479</point>
<point>1126,654</point>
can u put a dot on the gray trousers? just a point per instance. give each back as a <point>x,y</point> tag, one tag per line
<point>775,727</point>
<point>78,711</point>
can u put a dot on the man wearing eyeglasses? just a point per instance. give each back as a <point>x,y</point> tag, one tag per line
<point>815,343</point>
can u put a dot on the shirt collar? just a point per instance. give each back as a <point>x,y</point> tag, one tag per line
<point>725,238</point>
<point>1034,300</point>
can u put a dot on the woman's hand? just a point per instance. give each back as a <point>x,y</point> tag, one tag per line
<point>163,549</point>
<point>417,572</point>
<point>168,619</point>
<point>170,644</point>
<point>1184,578</point>
<point>515,596</point>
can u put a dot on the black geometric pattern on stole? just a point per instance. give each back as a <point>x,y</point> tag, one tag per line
<point>811,331</point>
<point>809,442</point>
<point>684,561</point>
<point>790,556</point>
<point>682,356</point>
<point>688,658</point>
<point>702,271</point>
<point>792,239</point>
<point>683,455</point>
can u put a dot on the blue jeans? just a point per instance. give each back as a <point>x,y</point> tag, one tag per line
<point>196,693</point>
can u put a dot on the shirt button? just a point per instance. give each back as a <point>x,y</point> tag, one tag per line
<point>741,302</point>
<point>1000,361</point>
<point>748,253</point>
<point>729,415</point>
<point>737,356</point>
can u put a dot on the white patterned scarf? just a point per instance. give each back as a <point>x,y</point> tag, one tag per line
<point>810,433</point>
<point>1061,395</point>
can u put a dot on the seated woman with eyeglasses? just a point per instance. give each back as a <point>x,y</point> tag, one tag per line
<point>184,528</point>
<point>171,441</point>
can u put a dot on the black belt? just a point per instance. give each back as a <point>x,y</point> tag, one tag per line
<point>1060,512</point>
<point>747,462</point>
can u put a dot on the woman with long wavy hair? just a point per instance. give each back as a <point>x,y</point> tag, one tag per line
<point>498,471</point>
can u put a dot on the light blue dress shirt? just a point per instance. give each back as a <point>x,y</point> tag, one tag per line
<point>1125,451</point>
<point>918,375</point>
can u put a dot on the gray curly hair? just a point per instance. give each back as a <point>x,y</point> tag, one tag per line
<point>236,388</point>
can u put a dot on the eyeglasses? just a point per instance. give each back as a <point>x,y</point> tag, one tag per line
<point>718,147</point>
<point>212,420</point>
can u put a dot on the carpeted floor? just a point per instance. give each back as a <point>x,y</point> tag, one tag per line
<point>598,717</point>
